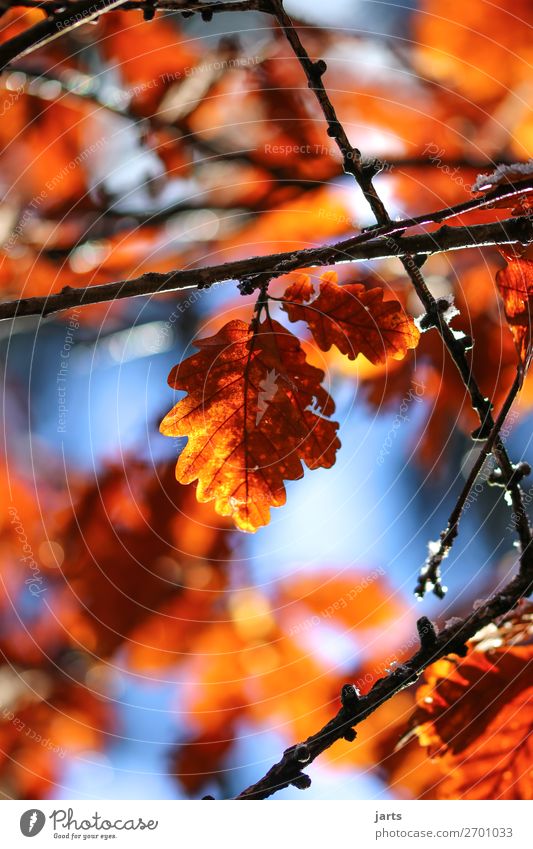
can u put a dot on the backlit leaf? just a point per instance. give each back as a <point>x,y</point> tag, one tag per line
<point>515,284</point>
<point>255,410</point>
<point>476,716</point>
<point>355,319</point>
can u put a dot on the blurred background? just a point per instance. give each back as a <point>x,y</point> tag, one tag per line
<point>149,650</point>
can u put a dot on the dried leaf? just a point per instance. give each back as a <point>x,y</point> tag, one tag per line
<point>255,410</point>
<point>476,716</point>
<point>515,284</point>
<point>355,319</point>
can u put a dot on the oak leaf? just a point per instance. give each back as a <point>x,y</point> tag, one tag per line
<point>255,410</point>
<point>515,284</point>
<point>355,319</point>
<point>476,716</point>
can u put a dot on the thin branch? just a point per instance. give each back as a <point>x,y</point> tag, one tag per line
<point>444,239</point>
<point>288,770</point>
<point>351,156</point>
<point>519,229</point>
<point>487,200</point>
<point>62,19</point>
<point>364,172</point>
<point>52,6</point>
<point>430,576</point>
<point>190,7</point>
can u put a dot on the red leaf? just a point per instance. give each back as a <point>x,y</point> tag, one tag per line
<point>355,319</point>
<point>254,411</point>
<point>476,716</point>
<point>515,284</point>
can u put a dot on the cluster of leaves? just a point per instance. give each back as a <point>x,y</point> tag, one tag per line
<point>256,408</point>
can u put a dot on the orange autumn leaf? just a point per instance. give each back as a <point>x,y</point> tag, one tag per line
<point>476,717</point>
<point>355,319</point>
<point>515,284</point>
<point>255,410</point>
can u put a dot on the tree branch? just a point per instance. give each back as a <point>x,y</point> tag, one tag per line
<point>364,172</point>
<point>430,577</point>
<point>53,6</point>
<point>359,248</point>
<point>386,237</point>
<point>288,770</point>
<point>62,18</point>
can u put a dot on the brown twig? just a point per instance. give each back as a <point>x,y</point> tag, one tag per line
<point>347,250</point>
<point>288,770</point>
<point>364,172</point>
<point>430,576</point>
<point>63,18</point>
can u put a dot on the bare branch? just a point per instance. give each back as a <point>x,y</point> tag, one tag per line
<point>358,248</point>
<point>63,18</point>
<point>430,573</point>
<point>364,172</point>
<point>451,640</point>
